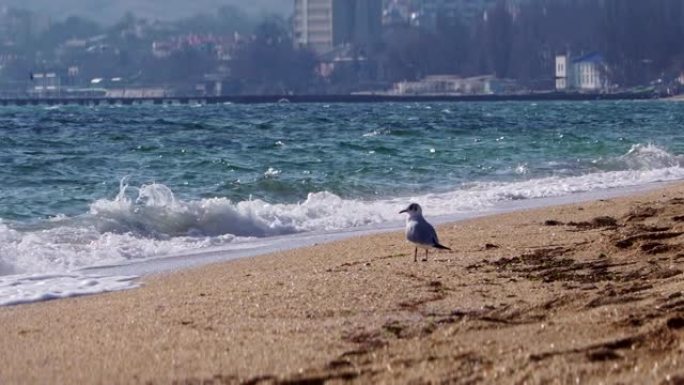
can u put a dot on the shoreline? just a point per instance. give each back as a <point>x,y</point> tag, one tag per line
<point>324,98</point>
<point>589,291</point>
<point>21,289</point>
<point>283,243</point>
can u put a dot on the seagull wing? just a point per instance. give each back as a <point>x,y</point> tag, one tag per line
<point>425,234</point>
<point>421,232</point>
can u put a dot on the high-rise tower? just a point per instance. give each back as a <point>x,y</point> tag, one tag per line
<point>325,24</point>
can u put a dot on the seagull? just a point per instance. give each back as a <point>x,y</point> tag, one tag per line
<point>420,232</point>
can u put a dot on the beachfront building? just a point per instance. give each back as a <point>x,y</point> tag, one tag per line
<point>583,73</point>
<point>590,72</point>
<point>454,85</point>
<point>323,25</point>
<point>561,72</point>
<point>45,84</point>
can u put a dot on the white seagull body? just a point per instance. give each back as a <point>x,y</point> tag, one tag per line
<point>420,232</point>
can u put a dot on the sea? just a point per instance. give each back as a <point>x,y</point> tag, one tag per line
<point>92,198</point>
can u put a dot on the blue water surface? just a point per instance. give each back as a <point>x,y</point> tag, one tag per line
<point>57,161</point>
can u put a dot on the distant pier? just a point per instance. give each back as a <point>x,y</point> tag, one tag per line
<point>356,98</point>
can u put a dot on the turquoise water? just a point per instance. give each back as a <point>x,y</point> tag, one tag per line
<point>58,161</point>
<point>83,186</point>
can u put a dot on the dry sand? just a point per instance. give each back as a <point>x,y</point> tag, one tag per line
<point>583,293</point>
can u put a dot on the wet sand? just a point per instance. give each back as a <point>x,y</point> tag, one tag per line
<point>582,293</point>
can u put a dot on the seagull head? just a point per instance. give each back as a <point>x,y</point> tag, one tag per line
<point>412,210</point>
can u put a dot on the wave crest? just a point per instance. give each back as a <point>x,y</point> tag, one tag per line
<point>149,221</point>
<point>643,157</point>
<point>156,213</point>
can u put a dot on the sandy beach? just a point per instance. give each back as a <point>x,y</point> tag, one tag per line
<point>582,293</point>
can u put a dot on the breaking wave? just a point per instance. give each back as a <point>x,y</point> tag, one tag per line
<point>149,221</point>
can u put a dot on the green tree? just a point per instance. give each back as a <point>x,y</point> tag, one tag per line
<point>269,63</point>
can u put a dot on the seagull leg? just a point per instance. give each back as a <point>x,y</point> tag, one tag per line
<point>415,255</point>
<point>426,254</point>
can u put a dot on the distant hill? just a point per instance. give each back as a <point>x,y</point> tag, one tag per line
<point>109,11</point>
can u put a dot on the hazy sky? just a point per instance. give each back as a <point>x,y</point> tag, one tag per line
<point>111,10</point>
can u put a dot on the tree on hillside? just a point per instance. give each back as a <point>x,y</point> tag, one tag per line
<point>407,53</point>
<point>643,39</point>
<point>498,39</point>
<point>269,63</point>
<point>226,21</point>
<point>73,27</point>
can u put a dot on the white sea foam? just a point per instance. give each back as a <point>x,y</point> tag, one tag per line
<point>648,157</point>
<point>20,289</point>
<point>148,222</point>
<point>272,173</point>
<point>378,132</point>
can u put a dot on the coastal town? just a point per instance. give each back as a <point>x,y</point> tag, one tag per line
<point>319,192</point>
<point>407,48</point>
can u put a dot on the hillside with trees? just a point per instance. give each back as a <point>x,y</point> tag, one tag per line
<point>110,11</point>
<point>641,42</point>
